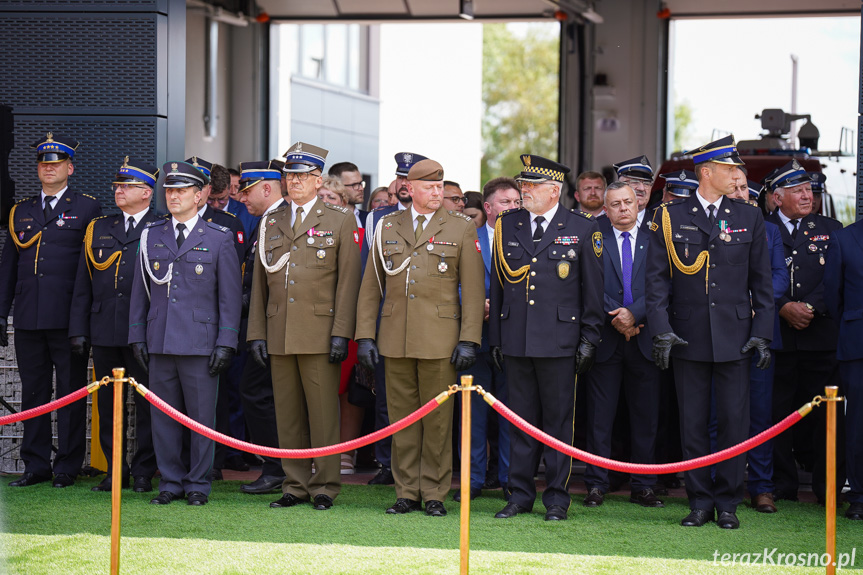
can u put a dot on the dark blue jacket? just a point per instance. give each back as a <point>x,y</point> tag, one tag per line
<point>779,273</point>
<point>843,289</point>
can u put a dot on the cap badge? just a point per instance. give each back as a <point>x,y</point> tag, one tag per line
<point>682,176</point>
<point>174,167</point>
<point>125,162</point>
<point>527,161</point>
<point>50,137</point>
<point>794,164</point>
<point>195,161</point>
<point>408,158</point>
<point>299,147</point>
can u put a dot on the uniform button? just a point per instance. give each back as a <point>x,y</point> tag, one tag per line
<point>712,266</point>
<point>712,304</point>
<point>620,291</point>
<point>291,282</point>
<point>711,246</point>
<point>293,265</point>
<point>798,285</point>
<point>530,302</point>
<point>122,263</point>
<point>533,260</point>
<point>712,284</point>
<point>532,287</point>
<point>573,319</point>
<point>794,253</point>
<point>291,300</point>
<point>176,274</point>
<point>176,260</point>
<point>331,311</point>
<point>413,267</point>
<point>41,259</point>
<point>120,294</point>
<point>416,254</point>
<point>174,300</point>
<point>41,275</point>
<point>174,286</point>
<point>294,248</point>
<point>796,268</point>
<point>120,278</point>
<point>125,248</point>
<point>532,274</point>
<point>413,282</point>
<point>412,296</point>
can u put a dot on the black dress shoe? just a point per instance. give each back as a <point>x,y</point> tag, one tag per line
<point>142,484</point>
<point>263,484</point>
<point>435,508</point>
<point>855,512</point>
<point>402,506</point>
<point>728,520</point>
<point>322,502</point>
<point>697,518</point>
<point>384,477</point>
<point>555,513</point>
<point>594,498</point>
<point>215,475</point>
<point>474,493</point>
<point>511,510</point>
<point>646,498</point>
<point>288,500</point>
<point>28,479</point>
<point>164,498</point>
<point>197,498</point>
<point>105,484</point>
<point>491,483</point>
<point>63,480</point>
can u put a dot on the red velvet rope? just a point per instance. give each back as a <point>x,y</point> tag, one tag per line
<point>642,468</point>
<point>43,409</point>
<point>185,420</point>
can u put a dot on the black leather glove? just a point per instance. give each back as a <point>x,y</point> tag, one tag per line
<point>763,347</point>
<point>258,351</point>
<point>497,356</point>
<point>464,355</point>
<point>662,345</point>
<point>220,359</point>
<point>338,349</point>
<point>139,350</point>
<point>4,337</point>
<point>367,353</point>
<point>584,356</point>
<point>80,345</point>
<point>247,299</point>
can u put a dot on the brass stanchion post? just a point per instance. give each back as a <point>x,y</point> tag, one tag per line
<point>831,392</point>
<point>464,543</point>
<point>117,468</point>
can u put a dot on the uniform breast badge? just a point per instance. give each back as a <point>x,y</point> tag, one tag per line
<point>321,254</point>
<point>156,266</point>
<point>597,244</point>
<point>563,270</point>
<point>442,267</point>
<point>199,269</point>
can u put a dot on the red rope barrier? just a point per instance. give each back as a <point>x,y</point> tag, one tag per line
<point>43,409</point>
<point>643,468</point>
<point>185,420</point>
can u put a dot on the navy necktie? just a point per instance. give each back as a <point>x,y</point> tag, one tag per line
<point>49,205</point>
<point>626,268</point>
<point>181,236</point>
<point>537,234</point>
<point>712,209</point>
<point>794,231</point>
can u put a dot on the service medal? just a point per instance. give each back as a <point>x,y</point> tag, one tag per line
<point>321,254</point>
<point>156,266</point>
<point>389,264</point>
<point>269,257</point>
<point>100,254</point>
<point>570,254</point>
<point>723,236</point>
<point>563,270</point>
<point>199,269</point>
<point>430,247</point>
<point>331,242</point>
<point>821,259</point>
<point>813,248</point>
<point>310,240</point>
<point>60,223</point>
<point>442,267</point>
<point>727,237</point>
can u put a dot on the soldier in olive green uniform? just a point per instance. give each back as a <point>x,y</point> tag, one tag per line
<point>428,330</point>
<point>303,311</point>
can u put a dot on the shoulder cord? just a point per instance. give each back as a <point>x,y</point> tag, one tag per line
<point>166,279</point>
<point>674,261</point>
<point>88,251</point>
<point>504,272</point>
<point>380,255</point>
<point>21,245</point>
<point>283,261</point>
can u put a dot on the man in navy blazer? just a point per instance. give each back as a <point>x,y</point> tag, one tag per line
<point>183,328</point>
<point>623,358</point>
<point>843,293</point>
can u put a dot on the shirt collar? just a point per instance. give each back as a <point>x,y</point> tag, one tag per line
<point>632,233</point>
<point>549,215</point>
<point>704,203</point>
<point>58,195</point>
<point>190,224</point>
<point>415,213</point>
<point>306,207</point>
<point>137,216</point>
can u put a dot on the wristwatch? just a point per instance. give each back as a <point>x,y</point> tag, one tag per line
<point>809,306</point>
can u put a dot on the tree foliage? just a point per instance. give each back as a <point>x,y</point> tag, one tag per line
<point>682,123</point>
<point>520,95</point>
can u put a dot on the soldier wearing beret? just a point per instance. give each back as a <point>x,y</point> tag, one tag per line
<point>545,317</point>
<point>37,271</point>
<point>100,312</point>
<point>426,265</point>
<point>183,328</point>
<point>302,315</point>
<point>709,305</point>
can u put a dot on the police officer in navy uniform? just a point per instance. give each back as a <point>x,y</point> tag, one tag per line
<point>184,325</point>
<point>545,317</point>
<point>260,192</point>
<point>37,271</point>
<point>100,312</point>
<point>708,270</point>
<point>223,218</point>
<point>806,363</point>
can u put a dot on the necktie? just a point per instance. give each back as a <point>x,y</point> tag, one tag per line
<point>419,231</point>
<point>181,237</point>
<point>48,207</point>
<point>794,231</point>
<point>626,268</point>
<point>298,221</point>
<point>712,209</point>
<point>537,234</point>
<point>130,225</point>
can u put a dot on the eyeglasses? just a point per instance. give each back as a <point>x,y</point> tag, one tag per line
<point>358,186</point>
<point>637,184</point>
<point>456,199</point>
<point>301,176</point>
<point>531,185</point>
<point>125,187</point>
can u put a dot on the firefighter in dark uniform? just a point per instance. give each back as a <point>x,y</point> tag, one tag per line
<point>706,276</point>
<point>807,360</point>
<point>545,317</point>
<point>37,271</point>
<point>100,312</point>
<point>183,327</point>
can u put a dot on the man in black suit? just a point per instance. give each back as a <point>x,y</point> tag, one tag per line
<point>37,271</point>
<point>709,304</point>
<point>100,313</point>
<point>623,357</point>
<point>545,317</point>
<point>806,363</point>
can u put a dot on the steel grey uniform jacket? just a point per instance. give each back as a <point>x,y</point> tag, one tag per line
<point>561,299</point>
<point>715,316</point>
<point>202,310</point>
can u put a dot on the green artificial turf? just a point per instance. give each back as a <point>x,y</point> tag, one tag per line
<point>47,530</point>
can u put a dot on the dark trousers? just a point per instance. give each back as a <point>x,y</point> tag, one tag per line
<point>183,381</point>
<point>542,391</point>
<point>256,392</point>
<point>628,370</point>
<point>105,359</point>
<point>801,375</point>
<point>383,447</point>
<point>39,353</point>
<point>852,380</point>
<point>729,382</point>
<point>760,459</point>
<point>229,410</point>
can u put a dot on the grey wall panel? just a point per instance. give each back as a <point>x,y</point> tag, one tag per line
<point>85,5</point>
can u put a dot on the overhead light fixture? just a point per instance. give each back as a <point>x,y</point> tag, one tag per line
<point>593,16</point>
<point>465,9</point>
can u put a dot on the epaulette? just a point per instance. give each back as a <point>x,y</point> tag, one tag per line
<point>337,208</point>
<point>673,202</point>
<point>459,214</point>
<point>743,202</point>
<point>103,217</point>
<point>157,223</point>
<point>89,196</point>
<point>218,227</point>
<point>509,211</point>
<point>395,213</point>
<point>279,209</point>
<point>22,200</point>
<point>582,214</point>
<point>229,213</point>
